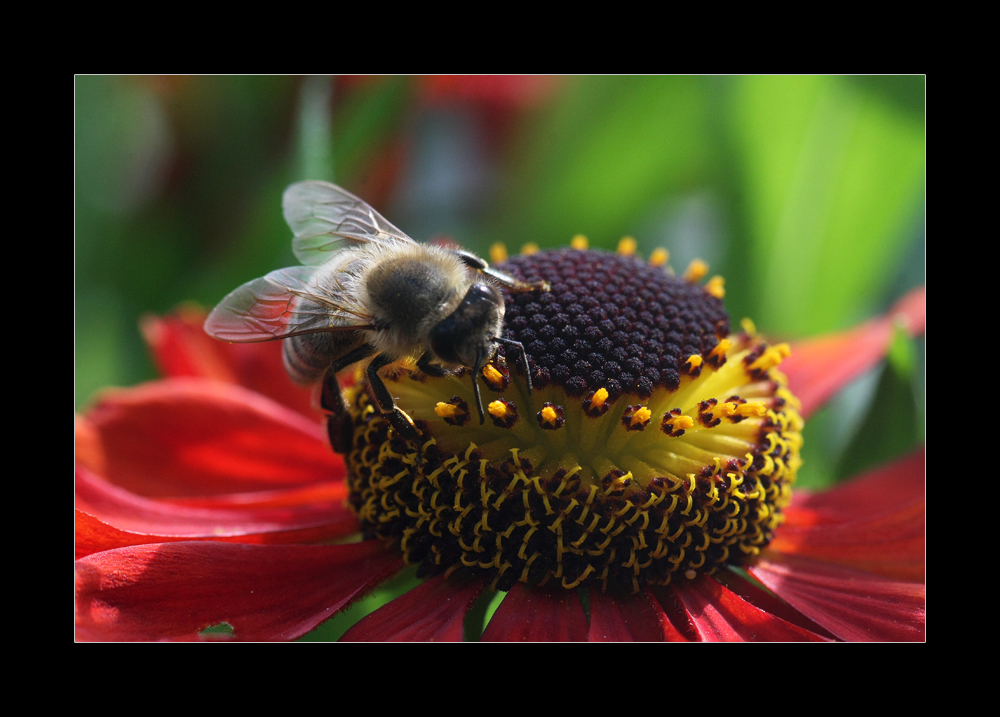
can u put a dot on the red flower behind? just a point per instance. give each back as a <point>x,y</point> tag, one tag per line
<point>212,496</point>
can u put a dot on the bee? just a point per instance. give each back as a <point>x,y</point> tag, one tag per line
<point>368,292</point>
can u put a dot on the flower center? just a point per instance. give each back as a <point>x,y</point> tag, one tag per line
<point>654,445</point>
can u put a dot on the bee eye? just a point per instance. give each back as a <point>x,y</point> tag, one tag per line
<point>443,338</point>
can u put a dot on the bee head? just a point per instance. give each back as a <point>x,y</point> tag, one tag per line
<point>469,331</point>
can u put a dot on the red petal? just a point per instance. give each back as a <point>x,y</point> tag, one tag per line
<point>530,614</point>
<point>882,490</point>
<point>109,517</point>
<point>820,367</point>
<point>434,611</point>
<point>190,437</point>
<point>629,618</point>
<point>874,523</point>
<point>851,604</point>
<point>181,348</point>
<point>265,592</point>
<point>720,615</point>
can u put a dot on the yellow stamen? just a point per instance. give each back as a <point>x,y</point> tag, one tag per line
<point>498,253</point>
<point>579,242</point>
<point>550,416</point>
<point>678,423</point>
<point>640,416</point>
<point>695,271</point>
<point>491,374</point>
<point>448,410</point>
<point>715,287</point>
<point>659,257</point>
<point>751,408</point>
<point>600,396</point>
<point>721,348</point>
<point>694,361</point>
<point>773,356</point>
<point>498,409</point>
<point>749,328</point>
<point>529,249</point>
<point>627,246</point>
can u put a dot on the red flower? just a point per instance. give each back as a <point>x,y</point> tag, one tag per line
<point>212,497</point>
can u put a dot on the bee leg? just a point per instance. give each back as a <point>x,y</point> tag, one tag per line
<point>431,369</point>
<point>475,386</point>
<point>524,357</point>
<point>400,421</point>
<point>331,398</point>
<point>506,280</point>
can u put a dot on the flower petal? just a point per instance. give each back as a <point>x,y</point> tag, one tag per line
<point>720,615</point>
<point>629,618</point>
<point>851,604</point>
<point>190,437</point>
<point>532,614</point>
<point>882,490</point>
<point>109,517</point>
<point>874,523</point>
<point>264,592</point>
<point>434,611</point>
<point>820,367</point>
<point>181,348</point>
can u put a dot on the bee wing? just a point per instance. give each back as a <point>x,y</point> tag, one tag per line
<point>326,219</point>
<point>284,303</point>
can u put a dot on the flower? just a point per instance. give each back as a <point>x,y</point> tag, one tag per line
<point>201,502</point>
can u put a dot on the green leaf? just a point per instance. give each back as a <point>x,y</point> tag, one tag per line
<point>833,176</point>
<point>608,149</point>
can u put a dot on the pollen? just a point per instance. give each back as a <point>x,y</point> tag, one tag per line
<point>659,257</point>
<point>455,412</point>
<point>529,249</point>
<point>492,375</point>
<point>635,418</point>
<point>696,271</point>
<point>770,358</point>
<point>498,253</point>
<point>716,287</point>
<point>674,423</point>
<point>579,242</point>
<point>584,491</point>
<point>503,412</point>
<point>551,417</point>
<point>627,246</point>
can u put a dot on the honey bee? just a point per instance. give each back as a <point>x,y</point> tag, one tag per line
<point>367,291</point>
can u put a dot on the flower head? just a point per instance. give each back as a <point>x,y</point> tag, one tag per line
<point>654,445</point>
<point>648,472</point>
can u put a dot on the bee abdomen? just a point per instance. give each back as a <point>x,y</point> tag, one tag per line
<point>307,357</point>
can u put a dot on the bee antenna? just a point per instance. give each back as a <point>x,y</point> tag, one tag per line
<point>475,386</point>
<point>524,356</point>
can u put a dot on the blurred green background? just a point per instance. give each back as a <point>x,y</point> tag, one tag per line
<point>806,193</point>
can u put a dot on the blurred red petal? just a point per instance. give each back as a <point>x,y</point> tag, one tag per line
<point>874,523</point>
<point>629,618</point>
<point>434,611</point>
<point>820,367</point>
<point>265,592</point>
<point>720,615</point>
<point>133,520</point>
<point>851,604</point>
<point>181,348</point>
<point>190,437</point>
<point>500,91</point>
<point>530,614</point>
<point>882,490</point>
